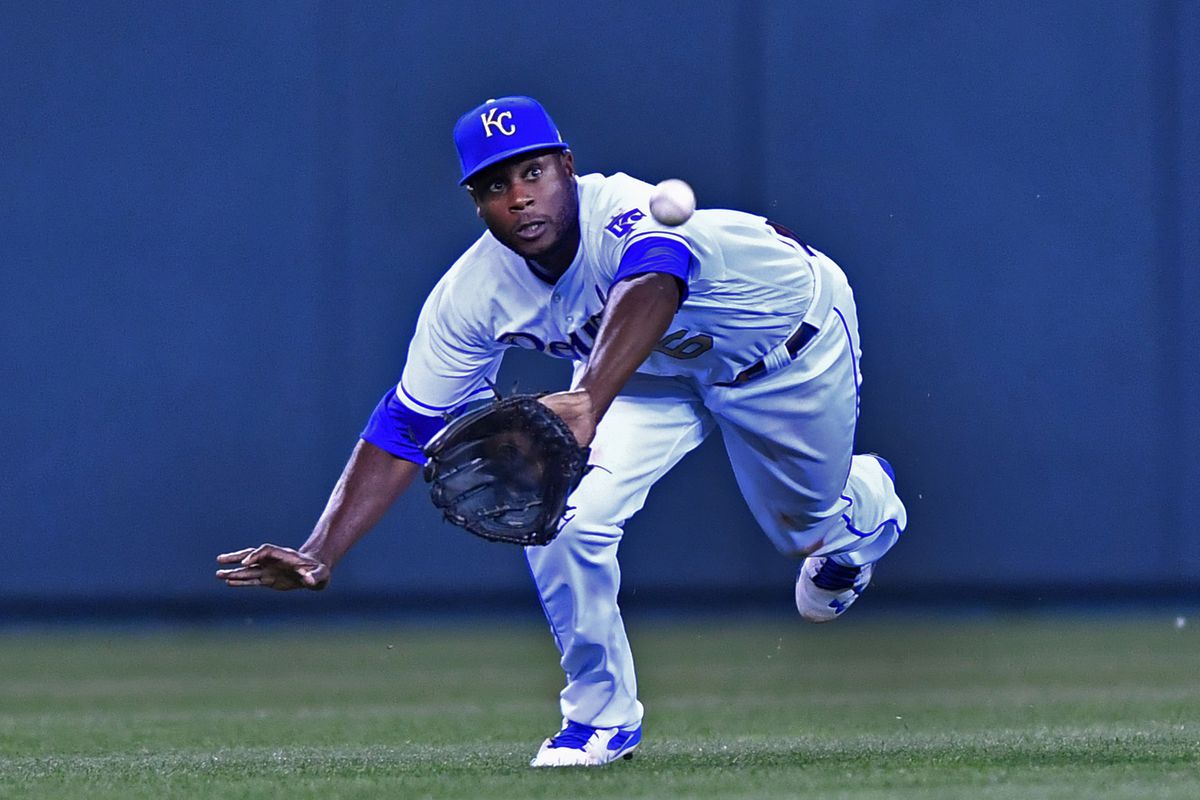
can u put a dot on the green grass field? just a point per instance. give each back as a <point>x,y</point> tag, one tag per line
<point>887,708</point>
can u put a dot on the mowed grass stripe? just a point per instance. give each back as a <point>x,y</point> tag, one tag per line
<point>897,708</point>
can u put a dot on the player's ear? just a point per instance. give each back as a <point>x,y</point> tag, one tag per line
<point>475,200</point>
<point>568,162</point>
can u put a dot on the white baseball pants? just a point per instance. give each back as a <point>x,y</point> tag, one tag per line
<point>789,435</point>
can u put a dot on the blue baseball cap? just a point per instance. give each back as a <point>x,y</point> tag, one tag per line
<point>500,129</point>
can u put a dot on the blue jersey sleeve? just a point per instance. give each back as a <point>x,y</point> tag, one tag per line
<point>399,430</point>
<point>657,254</point>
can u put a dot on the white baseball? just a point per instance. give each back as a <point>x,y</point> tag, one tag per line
<point>672,202</point>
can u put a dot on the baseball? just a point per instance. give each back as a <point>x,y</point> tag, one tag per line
<point>672,202</point>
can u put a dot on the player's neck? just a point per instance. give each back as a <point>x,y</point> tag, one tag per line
<point>553,264</point>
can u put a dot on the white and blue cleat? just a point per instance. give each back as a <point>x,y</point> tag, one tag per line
<point>578,745</point>
<point>825,588</point>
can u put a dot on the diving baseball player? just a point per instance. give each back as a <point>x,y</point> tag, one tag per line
<point>726,322</point>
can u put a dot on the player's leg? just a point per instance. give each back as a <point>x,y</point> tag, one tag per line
<point>647,430</point>
<point>790,437</point>
<point>827,584</point>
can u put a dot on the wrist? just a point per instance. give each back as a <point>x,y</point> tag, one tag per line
<point>316,551</point>
<point>590,398</point>
<point>315,555</point>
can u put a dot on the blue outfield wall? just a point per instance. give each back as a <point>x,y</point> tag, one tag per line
<point>218,222</point>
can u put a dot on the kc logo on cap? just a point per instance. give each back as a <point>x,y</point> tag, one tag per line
<point>494,118</point>
<point>500,129</point>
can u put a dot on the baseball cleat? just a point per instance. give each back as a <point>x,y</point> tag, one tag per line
<point>825,588</point>
<point>578,745</point>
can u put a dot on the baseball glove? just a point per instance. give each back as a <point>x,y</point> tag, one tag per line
<point>504,471</point>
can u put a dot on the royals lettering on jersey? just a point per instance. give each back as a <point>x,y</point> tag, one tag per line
<point>579,342</point>
<point>747,288</point>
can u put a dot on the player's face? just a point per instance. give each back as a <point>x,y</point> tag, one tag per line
<point>531,205</point>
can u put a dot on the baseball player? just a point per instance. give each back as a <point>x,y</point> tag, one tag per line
<point>726,321</point>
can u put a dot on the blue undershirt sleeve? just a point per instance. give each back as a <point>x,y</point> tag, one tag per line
<point>397,429</point>
<point>657,254</point>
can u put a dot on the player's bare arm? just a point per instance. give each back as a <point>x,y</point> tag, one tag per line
<point>636,316</point>
<point>370,483</point>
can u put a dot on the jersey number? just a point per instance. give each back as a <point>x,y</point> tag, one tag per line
<point>676,346</point>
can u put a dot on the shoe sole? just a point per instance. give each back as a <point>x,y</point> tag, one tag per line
<point>626,756</point>
<point>623,755</point>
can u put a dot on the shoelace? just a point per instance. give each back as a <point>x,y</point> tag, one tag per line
<point>835,577</point>
<point>575,735</point>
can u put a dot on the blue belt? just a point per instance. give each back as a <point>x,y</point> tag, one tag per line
<point>794,344</point>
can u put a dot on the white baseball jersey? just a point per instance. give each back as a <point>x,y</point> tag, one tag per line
<point>748,289</point>
<point>789,432</point>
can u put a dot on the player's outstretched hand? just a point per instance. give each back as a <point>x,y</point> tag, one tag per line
<point>275,567</point>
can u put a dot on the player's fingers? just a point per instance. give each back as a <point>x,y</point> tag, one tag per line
<point>237,555</point>
<point>264,552</point>
<point>246,582</point>
<point>287,557</point>
<point>240,573</point>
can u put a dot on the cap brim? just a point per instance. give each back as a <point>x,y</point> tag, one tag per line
<point>507,154</point>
